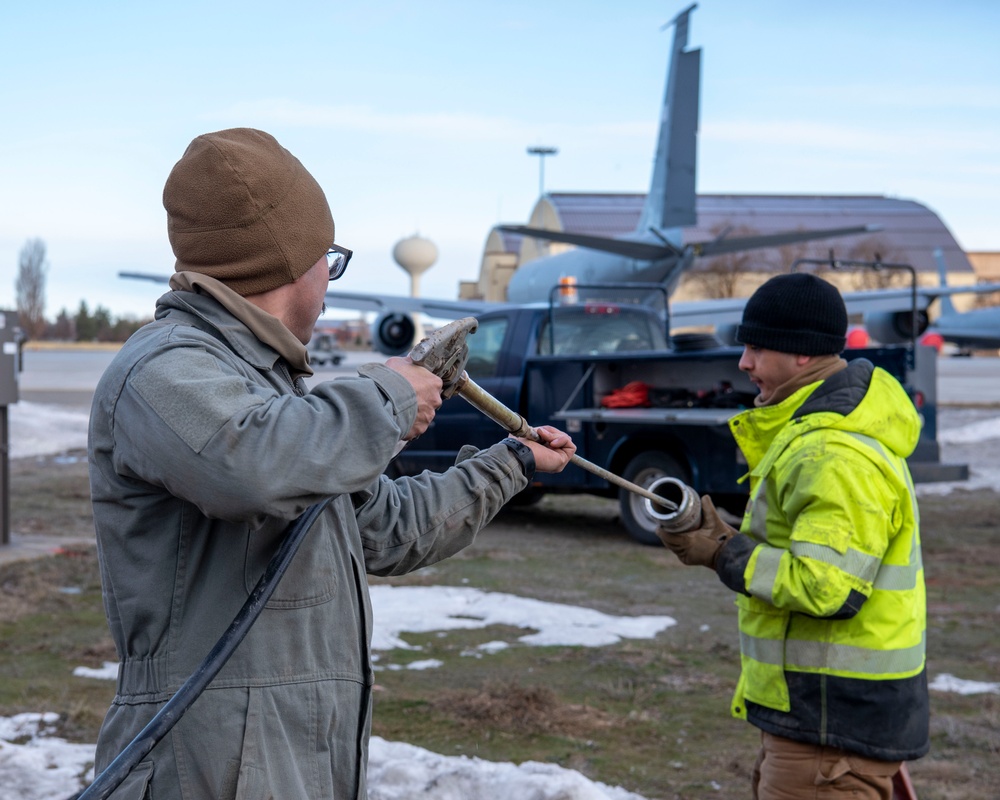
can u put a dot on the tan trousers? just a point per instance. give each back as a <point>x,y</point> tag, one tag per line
<point>789,770</point>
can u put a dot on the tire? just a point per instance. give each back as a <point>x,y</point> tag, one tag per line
<point>643,469</point>
<point>527,497</point>
<point>336,360</point>
<point>690,342</point>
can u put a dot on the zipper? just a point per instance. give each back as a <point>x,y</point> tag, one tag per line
<point>286,373</point>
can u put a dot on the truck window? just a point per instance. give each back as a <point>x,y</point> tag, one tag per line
<point>484,348</point>
<point>604,328</point>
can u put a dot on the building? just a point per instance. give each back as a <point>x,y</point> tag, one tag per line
<point>986,265</point>
<point>910,233</point>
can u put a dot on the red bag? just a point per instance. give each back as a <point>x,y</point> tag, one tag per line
<point>631,395</point>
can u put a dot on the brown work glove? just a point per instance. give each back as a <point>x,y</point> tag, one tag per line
<point>701,545</point>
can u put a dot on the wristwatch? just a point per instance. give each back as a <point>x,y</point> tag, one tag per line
<point>524,455</point>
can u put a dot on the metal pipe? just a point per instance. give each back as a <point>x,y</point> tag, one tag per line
<point>516,425</point>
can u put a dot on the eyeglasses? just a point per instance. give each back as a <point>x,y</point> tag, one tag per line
<point>336,260</point>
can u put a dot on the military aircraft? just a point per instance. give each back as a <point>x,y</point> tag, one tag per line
<point>977,329</point>
<point>890,316</point>
<point>653,253</point>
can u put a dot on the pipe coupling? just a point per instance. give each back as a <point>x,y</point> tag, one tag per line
<point>686,517</point>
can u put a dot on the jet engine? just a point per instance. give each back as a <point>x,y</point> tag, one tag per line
<point>894,327</point>
<point>393,333</point>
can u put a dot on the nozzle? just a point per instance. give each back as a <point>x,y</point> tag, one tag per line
<point>687,515</point>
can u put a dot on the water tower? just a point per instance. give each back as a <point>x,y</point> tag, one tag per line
<point>415,255</point>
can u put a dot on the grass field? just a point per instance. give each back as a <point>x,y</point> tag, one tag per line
<point>649,715</point>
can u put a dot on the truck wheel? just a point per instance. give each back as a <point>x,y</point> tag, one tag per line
<point>643,470</point>
<point>527,497</point>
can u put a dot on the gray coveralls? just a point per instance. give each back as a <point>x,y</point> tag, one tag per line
<point>202,449</point>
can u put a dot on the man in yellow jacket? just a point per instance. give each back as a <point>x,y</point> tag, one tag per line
<point>826,564</point>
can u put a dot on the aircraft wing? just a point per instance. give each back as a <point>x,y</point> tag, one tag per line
<point>382,303</point>
<point>660,248</point>
<point>695,313</point>
<point>379,303</point>
<point>642,251</point>
<point>723,311</point>
<point>155,277</point>
<point>727,311</point>
<point>719,246</point>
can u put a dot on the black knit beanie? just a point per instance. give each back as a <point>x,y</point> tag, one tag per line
<point>243,210</point>
<point>795,313</point>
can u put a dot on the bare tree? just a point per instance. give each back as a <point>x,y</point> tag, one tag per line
<point>736,274</point>
<point>875,248</point>
<point>986,300</point>
<point>783,257</point>
<point>63,329</point>
<point>721,276</point>
<point>30,288</point>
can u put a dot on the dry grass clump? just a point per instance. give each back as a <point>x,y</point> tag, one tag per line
<point>512,708</point>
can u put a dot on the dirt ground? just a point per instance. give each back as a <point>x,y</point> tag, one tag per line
<point>649,715</point>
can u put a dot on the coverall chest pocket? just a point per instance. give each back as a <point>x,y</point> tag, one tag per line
<point>311,577</point>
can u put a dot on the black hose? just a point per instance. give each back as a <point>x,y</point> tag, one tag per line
<point>168,716</point>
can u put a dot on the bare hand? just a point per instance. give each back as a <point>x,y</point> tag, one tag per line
<point>427,385</point>
<point>554,450</point>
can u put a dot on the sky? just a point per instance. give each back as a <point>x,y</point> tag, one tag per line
<point>415,118</point>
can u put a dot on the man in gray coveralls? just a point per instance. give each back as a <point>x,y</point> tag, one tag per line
<point>205,444</point>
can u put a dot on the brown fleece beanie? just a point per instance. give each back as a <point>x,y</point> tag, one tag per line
<point>243,210</point>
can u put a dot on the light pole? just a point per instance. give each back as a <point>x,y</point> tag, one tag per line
<point>541,152</point>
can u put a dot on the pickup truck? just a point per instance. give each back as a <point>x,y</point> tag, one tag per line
<point>637,402</point>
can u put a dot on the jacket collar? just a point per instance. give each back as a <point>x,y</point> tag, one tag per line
<point>830,403</point>
<point>258,337</point>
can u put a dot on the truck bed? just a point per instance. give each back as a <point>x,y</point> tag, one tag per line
<point>652,416</point>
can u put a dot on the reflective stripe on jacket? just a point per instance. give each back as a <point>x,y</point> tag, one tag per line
<point>832,610</point>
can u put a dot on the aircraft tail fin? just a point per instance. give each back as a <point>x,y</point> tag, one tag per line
<point>671,199</point>
<point>945,305</point>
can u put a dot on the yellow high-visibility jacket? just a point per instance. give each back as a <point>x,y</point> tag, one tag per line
<point>832,608</point>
